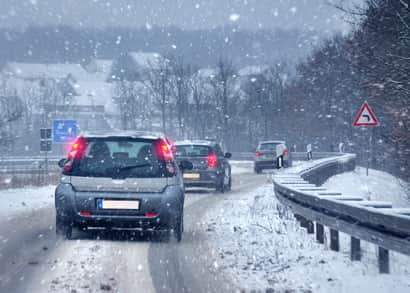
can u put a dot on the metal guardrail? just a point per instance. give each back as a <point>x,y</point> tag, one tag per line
<point>315,207</point>
<point>28,165</point>
<point>296,156</point>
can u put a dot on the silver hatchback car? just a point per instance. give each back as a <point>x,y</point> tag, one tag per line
<point>272,154</point>
<point>126,180</point>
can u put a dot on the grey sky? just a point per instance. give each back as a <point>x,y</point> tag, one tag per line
<point>187,14</point>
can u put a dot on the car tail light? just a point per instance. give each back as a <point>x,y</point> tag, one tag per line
<point>258,154</point>
<point>163,151</point>
<point>212,160</point>
<point>67,167</point>
<point>86,214</point>
<point>77,149</point>
<point>285,152</point>
<point>150,215</point>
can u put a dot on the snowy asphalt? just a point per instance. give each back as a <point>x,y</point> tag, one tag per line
<point>32,259</point>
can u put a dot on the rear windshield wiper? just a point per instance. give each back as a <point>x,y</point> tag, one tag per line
<point>130,167</point>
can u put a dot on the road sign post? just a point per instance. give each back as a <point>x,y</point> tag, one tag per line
<point>45,146</point>
<point>366,118</point>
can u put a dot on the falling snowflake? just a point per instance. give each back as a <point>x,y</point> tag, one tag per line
<point>234,17</point>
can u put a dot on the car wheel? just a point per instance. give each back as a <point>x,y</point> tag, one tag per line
<point>220,186</point>
<point>63,228</point>
<point>179,228</point>
<point>258,170</point>
<point>228,186</point>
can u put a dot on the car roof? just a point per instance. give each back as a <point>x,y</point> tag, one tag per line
<point>123,133</point>
<point>196,142</point>
<point>272,141</point>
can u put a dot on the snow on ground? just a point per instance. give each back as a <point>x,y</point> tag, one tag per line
<point>258,248</point>
<point>246,167</point>
<point>241,167</point>
<point>25,199</point>
<point>377,186</point>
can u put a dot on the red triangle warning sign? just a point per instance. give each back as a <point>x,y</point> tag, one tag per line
<point>366,117</point>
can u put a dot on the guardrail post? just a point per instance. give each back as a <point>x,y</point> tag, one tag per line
<point>334,240</point>
<point>355,251</point>
<point>383,260</point>
<point>310,227</point>
<point>297,217</point>
<point>309,152</point>
<point>320,233</point>
<point>303,222</point>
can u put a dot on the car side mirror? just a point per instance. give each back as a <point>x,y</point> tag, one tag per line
<point>228,155</point>
<point>186,165</point>
<point>62,163</point>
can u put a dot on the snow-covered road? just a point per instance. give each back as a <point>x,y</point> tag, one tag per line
<point>232,241</point>
<point>33,260</point>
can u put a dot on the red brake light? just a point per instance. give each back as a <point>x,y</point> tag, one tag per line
<point>258,154</point>
<point>86,214</point>
<point>163,151</point>
<point>212,160</point>
<point>150,215</point>
<point>77,149</point>
<point>285,152</point>
<point>67,168</point>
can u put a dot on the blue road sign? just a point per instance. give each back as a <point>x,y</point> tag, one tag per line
<point>64,130</point>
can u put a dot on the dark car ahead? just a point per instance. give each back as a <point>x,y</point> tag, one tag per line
<point>126,180</point>
<point>211,168</point>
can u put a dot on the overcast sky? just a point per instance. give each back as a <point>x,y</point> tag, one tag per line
<point>187,14</point>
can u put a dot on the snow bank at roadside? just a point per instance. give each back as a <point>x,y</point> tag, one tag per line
<point>25,199</point>
<point>258,248</point>
<point>377,186</point>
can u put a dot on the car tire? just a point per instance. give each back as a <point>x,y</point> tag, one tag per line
<point>228,187</point>
<point>258,170</point>
<point>63,228</point>
<point>220,186</point>
<point>179,228</point>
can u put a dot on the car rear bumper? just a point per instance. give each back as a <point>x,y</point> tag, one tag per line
<point>157,210</point>
<point>271,164</point>
<point>130,222</point>
<point>207,179</point>
<point>265,164</point>
<point>205,184</point>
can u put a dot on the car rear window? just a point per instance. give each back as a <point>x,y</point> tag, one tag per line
<point>268,146</point>
<point>192,150</point>
<point>118,158</point>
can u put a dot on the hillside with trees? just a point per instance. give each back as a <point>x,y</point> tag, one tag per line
<point>372,63</point>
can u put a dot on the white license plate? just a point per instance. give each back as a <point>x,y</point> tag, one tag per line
<point>192,176</point>
<point>119,204</point>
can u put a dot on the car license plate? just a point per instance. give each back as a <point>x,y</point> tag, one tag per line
<point>192,175</point>
<point>118,204</point>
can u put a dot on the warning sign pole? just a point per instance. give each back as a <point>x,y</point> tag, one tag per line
<point>369,151</point>
<point>366,118</point>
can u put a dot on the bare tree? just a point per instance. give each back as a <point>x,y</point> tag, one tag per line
<point>202,114</point>
<point>223,94</point>
<point>181,74</point>
<point>11,109</point>
<point>159,83</point>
